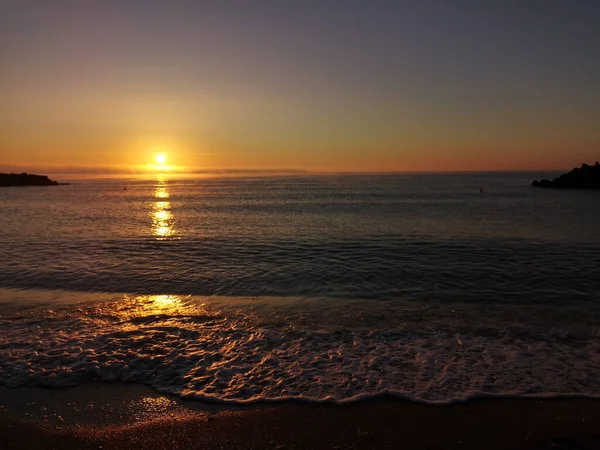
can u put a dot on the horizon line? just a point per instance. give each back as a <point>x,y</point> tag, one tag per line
<point>183,171</point>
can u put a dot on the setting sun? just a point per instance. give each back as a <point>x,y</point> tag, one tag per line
<point>160,159</point>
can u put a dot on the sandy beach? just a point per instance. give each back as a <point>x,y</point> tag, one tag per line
<point>132,416</point>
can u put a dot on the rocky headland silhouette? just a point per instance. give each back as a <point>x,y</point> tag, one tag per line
<point>584,177</point>
<point>26,179</point>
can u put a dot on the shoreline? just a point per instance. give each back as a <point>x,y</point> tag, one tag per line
<point>135,416</point>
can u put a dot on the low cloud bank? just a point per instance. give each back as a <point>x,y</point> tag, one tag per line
<point>128,170</point>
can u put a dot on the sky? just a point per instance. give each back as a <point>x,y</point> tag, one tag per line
<point>423,85</point>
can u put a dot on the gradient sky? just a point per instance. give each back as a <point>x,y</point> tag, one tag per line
<point>317,85</point>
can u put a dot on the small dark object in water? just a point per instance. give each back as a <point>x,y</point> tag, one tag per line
<point>585,177</point>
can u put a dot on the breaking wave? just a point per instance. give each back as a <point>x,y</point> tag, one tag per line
<point>264,349</point>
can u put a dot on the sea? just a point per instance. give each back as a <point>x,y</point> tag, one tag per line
<point>315,287</point>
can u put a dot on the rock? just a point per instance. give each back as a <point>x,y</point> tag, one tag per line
<point>585,177</point>
<point>25,179</point>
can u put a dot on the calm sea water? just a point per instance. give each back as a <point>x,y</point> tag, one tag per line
<point>316,287</point>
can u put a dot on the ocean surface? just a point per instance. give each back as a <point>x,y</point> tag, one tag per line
<point>325,287</point>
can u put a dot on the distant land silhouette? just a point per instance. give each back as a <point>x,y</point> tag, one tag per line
<point>25,179</point>
<point>585,177</point>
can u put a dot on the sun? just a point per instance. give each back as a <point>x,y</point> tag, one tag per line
<point>160,159</point>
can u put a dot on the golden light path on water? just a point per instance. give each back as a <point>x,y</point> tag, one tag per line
<point>162,217</point>
<point>143,312</point>
<point>151,305</point>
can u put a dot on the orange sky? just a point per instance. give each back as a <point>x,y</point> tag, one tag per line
<point>433,87</point>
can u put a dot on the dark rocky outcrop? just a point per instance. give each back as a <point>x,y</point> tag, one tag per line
<point>585,177</point>
<point>25,179</point>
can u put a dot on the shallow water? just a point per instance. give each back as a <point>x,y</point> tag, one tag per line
<point>316,287</point>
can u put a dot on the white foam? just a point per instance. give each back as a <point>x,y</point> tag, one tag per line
<point>242,350</point>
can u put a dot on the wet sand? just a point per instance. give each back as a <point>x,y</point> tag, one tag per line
<point>131,416</point>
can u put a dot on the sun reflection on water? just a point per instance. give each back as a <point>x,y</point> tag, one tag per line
<point>152,305</point>
<point>164,301</point>
<point>162,217</point>
<point>161,192</point>
<point>143,312</point>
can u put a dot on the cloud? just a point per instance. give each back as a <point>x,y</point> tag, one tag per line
<point>131,170</point>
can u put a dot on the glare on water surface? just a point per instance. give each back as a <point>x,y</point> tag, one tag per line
<point>162,217</point>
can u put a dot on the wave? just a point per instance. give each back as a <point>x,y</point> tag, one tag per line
<point>476,271</point>
<point>240,351</point>
<point>384,396</point>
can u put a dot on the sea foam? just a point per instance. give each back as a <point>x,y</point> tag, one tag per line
<point>237,350</point>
